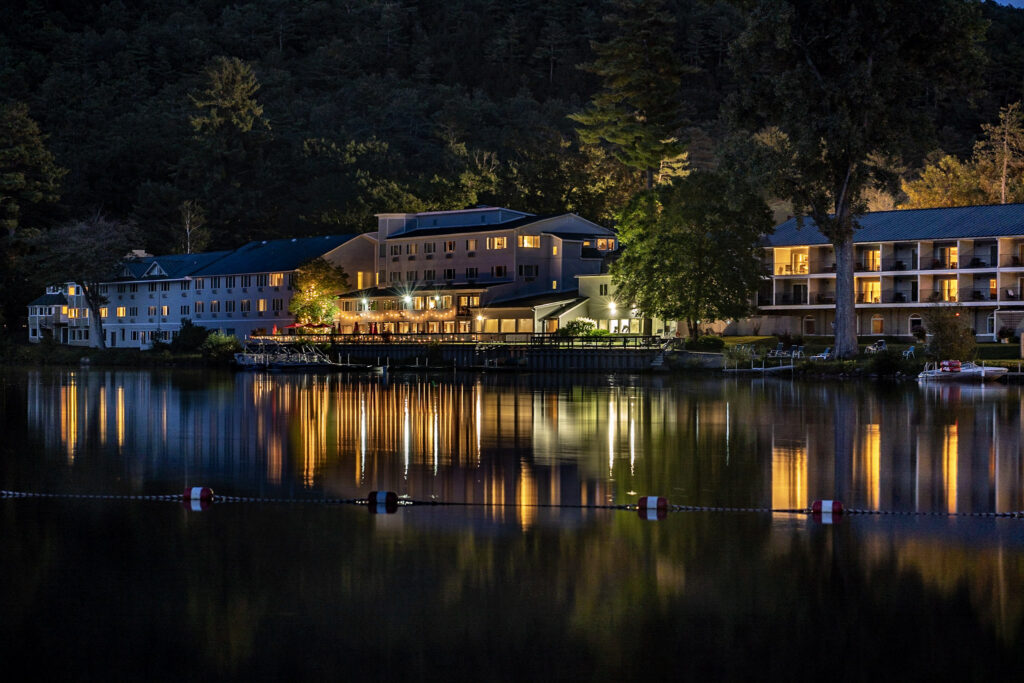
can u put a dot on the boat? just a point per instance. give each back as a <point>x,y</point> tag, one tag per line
<point>955,371</point>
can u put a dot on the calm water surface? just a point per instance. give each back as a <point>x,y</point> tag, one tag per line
<point>525,579</point>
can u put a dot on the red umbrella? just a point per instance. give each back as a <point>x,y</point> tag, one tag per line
<point>274,331</point>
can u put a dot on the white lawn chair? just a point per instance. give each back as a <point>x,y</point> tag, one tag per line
<point>824,355</point>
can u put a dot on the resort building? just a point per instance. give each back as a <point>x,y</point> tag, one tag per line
<point>905,261</point>
<point>486,270</point>
<point>241,292</point>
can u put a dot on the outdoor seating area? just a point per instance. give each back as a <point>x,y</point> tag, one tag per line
<point>824,355</point>
<point>878,347</point>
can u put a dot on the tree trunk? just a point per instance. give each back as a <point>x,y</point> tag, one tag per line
<point>845,324</point>
<point>95,320</point>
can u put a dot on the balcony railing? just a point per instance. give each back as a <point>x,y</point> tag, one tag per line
<point>939,264</point>
<point>791,299</point>
<point>1008,261</point>
<point>979,260</point>
<point>786,269</point>
<point>867,267</point>
<point>898,263</point>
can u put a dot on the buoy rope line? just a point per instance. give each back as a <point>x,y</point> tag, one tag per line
<point>390,499</point>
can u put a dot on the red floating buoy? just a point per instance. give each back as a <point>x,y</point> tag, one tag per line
<point>199,493</point>
<point>382,502</point>
<point>823,510</point>
<point>652,507</point>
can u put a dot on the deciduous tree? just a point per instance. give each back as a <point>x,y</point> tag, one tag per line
<point>844,80</point>
<point>86,252</point>
<point>690,251</point>
<point>317,286</point>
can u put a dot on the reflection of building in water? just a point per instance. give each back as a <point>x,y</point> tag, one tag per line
<point>507,444</point>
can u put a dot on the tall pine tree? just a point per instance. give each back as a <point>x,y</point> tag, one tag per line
<point>637,112</point>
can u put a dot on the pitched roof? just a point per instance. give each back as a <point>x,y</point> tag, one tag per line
<point>272,255</point>
<point>49,300</point>
<point>538,300</point>
<point>913,224</point>
<point>483,227</point>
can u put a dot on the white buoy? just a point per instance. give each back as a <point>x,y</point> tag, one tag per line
<point>382,502</point>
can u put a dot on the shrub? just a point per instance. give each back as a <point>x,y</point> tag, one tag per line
<point>706,343</point>
<point>190,337</point>
<point>580,327</point>
<point>951,332</point>
<point>220,347</point>
<point>598,333</point>
<point>889,364</point>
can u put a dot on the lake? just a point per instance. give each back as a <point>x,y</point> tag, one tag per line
<point>513,562</point>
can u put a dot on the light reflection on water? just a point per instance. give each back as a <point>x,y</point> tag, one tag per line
<point>510,585</point>
<point>528,440</point>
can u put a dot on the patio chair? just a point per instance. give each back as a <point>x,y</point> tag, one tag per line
<point>908,353</point>
<point>877,347</point>
<point>797,352</point>
<point>776,352</point>
<point>824,355</point>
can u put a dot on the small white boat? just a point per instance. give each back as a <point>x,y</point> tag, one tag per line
<point>955,371</point>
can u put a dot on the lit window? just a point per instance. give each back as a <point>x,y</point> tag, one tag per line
<point>554,250</point>
<point>261,305</point>
<point>103,312</point>
<point>497,242</point>
<point>276,279</point>
<point>470,245</point>
<point>554,284</point>
<point>120,311</point>
<point>73,313</point>
<point>163,311</point>
<point>606,244</point>
<point>529,241</point>
<point>71,290</point>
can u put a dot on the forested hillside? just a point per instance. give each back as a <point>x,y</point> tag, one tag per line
<point>298,117</point>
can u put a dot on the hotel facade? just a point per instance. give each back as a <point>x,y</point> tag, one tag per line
<point>904,262</point>
<point>452,275</point>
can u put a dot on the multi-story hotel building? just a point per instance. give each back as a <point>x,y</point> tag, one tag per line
<point>240,292</point>
<point>481,270</point>
<point>904,261</point>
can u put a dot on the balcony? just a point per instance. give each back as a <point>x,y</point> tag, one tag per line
<point>1011,262</point>
<point>825,298</point>
<point>867,267</point>
<point>787,269</point>
<point>982,295</point>
<point>791,299</point>
<point>869,297</point>
<point>980,261</point>
<point>939,264</point>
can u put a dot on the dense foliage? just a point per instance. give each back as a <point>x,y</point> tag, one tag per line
<point>690,251</point>
<point>317,285</point>
<point>209,122</point>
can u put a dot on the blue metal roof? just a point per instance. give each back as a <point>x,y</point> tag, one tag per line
<point>273,255</point>
<point>963,222</point>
